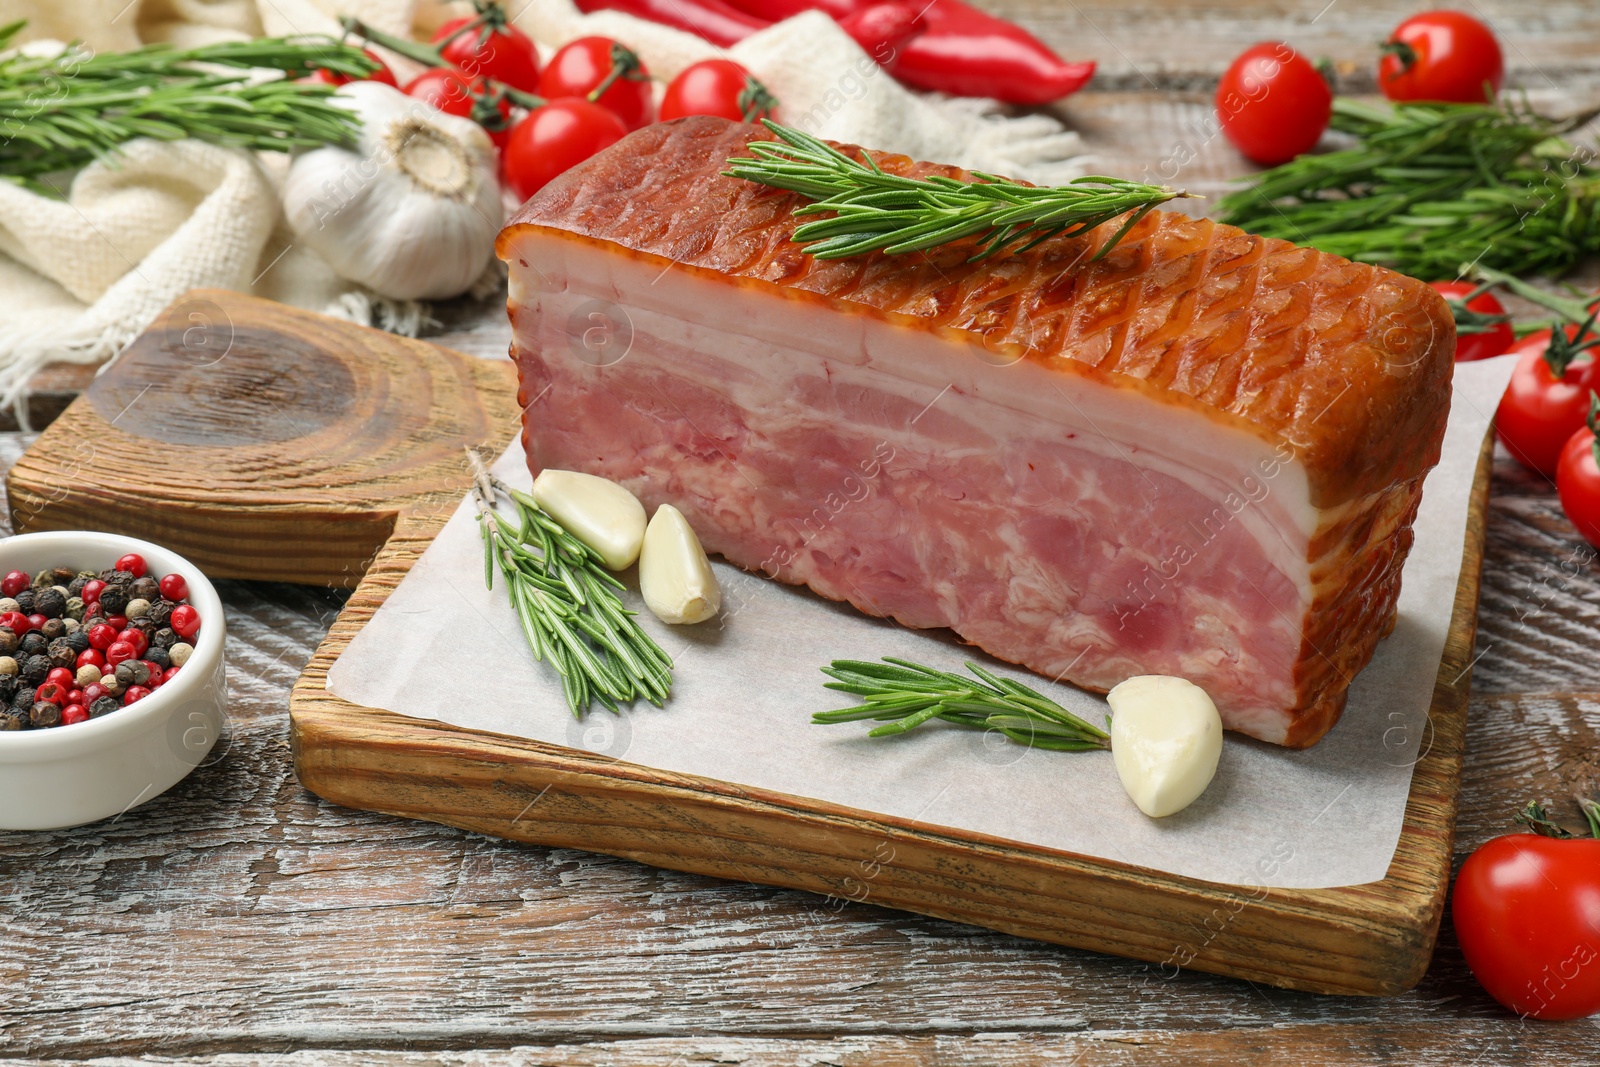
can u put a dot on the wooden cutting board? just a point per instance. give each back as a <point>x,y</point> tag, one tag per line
<point>270,443</point>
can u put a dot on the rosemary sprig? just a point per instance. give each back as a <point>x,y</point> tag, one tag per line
<point>906,695</point>
<point>1430,186</point>
<point>567,603</point>
<point>60,112</point>
<point>877,211</point>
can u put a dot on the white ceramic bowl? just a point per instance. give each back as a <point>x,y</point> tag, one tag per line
<point>71,775</point>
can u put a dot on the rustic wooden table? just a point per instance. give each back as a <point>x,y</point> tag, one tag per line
<point>238,914</point>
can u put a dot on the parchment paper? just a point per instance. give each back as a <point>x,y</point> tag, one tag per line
<point>746,685</point>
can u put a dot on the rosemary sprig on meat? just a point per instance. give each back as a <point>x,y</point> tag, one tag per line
<point>877,211</point>
<point>1428,187</point>
<point>567,603</point>
<point>905,695</point>
<point>60,112</point>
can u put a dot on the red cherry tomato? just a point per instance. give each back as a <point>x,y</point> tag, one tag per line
<point>1441,56</point>
<point>1272,104</point>
<point>582,66</point>
<point>1578,485</point>
<point>1526,909</point>
<point>1492,341</point>
<point>503,53</point>
<point>382,75</point>
<point>553,138</point>
<point>1540,412</point>
<point>718,87</point>
<point>465,98</point>
<point>445,89</point>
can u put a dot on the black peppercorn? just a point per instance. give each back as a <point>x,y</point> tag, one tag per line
<point>160,612</point>
<point>8,686</point>
<point>62,654</point>
<point>50,603</point>
<point>10,720</point>
<point>75,587</point>
<point>78,640</point>
<point>114,600</point>
<point>165,637</point>
<point>8,642</point>
<point>53,629</point>
<point>103,706</point>
<point>24,601</point>
<point>158,656</point>
<point>44,715</point>
<point>143,625</point>
<point>110,574</point>
<point>35,670</point>
<point>132,672</point>
<point>146,587</point>
<point>33,643</point>
<point>23,698</point>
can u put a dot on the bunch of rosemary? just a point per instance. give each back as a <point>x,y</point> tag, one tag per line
<point>1428,187</point>
<point>60,112</point>
<point>877,211</point>
<point>904,695</point>
<point>567,603</point>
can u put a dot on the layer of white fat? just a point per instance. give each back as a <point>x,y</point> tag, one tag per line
<point>1014,401</point>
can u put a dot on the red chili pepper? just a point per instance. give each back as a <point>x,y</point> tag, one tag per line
<point>777,10</point>
<point>967,52</point>
<point>883,30</point>
<point>714,20</point>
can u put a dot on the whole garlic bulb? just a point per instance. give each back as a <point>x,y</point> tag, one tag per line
<point>412,210</point>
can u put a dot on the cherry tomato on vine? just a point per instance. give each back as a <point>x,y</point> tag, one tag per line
<point>1441,56</point>
<point>383,74</point>
<point>1273,104</point>
<point>552,138</point>
<point>583,66</point>
<point>1526,909</point>
<point>490,50</point>
<point>718,87</point>
<point>1542,409</point>
<point>1578,485</point>
<point>469,98</point>
<point>1494,337</point>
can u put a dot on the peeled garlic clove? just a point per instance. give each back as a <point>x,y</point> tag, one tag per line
<point>674,573</point>
<point>1166,738</point>
<point>597,511</point>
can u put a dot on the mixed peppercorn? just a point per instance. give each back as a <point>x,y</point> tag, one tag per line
<point>76,645</point>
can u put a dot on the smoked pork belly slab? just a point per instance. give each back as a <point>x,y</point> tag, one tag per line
<point>1200,455</point>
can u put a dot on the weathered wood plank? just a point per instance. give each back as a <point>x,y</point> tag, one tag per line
<point>238,912</point>
<point>1437,1045</point>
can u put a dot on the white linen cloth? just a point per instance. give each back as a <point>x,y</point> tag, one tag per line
<point>81,277</point>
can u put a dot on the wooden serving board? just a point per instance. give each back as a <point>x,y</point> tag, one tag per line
<point>269,443</point>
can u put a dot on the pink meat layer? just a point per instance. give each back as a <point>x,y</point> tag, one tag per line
<point>1054,559</point>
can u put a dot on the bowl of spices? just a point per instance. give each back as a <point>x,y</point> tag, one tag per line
<point>112,685</point>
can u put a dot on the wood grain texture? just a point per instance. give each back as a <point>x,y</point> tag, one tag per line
<point>240,917</point>
<point>285,444</point>
<point>1372,939</point>
<point>241,914</point>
